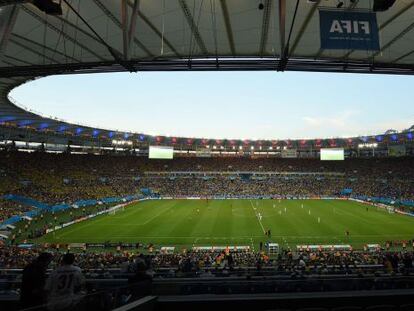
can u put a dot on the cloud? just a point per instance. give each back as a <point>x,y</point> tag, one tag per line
<point>338,121</point>
<point>349,123</point>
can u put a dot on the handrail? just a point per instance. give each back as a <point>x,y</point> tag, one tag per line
<point>146,303</point>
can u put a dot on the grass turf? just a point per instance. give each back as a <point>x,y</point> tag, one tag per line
<point>236,222</point>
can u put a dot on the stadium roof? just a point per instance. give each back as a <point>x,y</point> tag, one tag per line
<point>105,35</point>
<point>132,35</point>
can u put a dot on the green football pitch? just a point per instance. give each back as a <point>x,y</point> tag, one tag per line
<point>186,223</point>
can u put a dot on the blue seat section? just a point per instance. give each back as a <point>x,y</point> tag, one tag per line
<point>25,201</point>
<point>40,207</point>
<point>346,191</point>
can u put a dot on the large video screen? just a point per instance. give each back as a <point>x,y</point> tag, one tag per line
<point>157,152</point>
<point>332,154</point>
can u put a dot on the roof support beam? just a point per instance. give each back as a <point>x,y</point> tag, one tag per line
<point>124,18</point>
<point>193,26</point>
<point>132,26</point>
<point>17,59</point>
<point>282,27</point>
<point>388,22</point>
<point>62,33</point>
<point>304,26</point>
<point>7,62</point>
<point>265,27</point>
<point>146,20</point>
<point>78,29</point>
<point>8,27</point>
<point>26,47</point>
<point>229,29</point>
<point>115,20</point>
<point>403,56</point>
<point>46,48</point>
<point>395,39</point>
<point>203,64</point>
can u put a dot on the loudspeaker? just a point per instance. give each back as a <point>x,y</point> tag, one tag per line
<point>50,7</point>
<point>382,5</point>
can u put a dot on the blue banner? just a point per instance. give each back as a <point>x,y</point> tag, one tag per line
<point>348,30</point>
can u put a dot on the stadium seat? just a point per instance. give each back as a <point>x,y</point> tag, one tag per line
<point>312,309</point>
<point>407,307</point>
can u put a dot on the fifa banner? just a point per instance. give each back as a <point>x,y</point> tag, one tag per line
<point>348,30</point>
<point>289,153</point>
<point>396,151</point>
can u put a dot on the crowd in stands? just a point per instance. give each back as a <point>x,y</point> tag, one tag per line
<point>42,283</point>
<point>65,178</point>
<point>305,261</point>
<point>278,186</point>
<point>10,208</point>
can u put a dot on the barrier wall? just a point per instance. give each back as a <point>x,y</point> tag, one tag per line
<point>387,201</point>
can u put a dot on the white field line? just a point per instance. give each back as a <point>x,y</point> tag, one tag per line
<point>260,222</point>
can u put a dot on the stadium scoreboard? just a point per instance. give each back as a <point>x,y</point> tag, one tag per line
<point>158,152</point>
<point>332,154</point>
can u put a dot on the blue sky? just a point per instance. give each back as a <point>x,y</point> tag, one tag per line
<point>247,105</point>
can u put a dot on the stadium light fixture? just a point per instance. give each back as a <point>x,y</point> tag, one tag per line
<point>367,145</point>
<point>121,142</point>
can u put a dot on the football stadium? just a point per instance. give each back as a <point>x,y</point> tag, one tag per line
<point>317,215</point>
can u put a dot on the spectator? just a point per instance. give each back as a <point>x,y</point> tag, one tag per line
<point>33,281</point>
<point>141,282</point>
<point>64,285</point>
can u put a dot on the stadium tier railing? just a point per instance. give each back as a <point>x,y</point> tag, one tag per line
<point>144,304</point>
